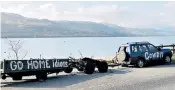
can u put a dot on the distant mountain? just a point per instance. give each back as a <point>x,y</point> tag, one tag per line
<point>17,26</point>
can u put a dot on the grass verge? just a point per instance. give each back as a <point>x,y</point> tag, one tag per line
<point>173,58</point>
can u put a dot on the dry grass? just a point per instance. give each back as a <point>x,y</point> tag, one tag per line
<point>105,58</point>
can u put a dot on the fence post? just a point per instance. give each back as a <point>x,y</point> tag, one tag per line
<point>173,49</point>
<point>161,45</point>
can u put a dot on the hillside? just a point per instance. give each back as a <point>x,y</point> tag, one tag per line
<point>17,26</point>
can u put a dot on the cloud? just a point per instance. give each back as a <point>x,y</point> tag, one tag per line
<point>168,13</point>
<point>14,9</point>
<point>47,11</point>
<point>96,13</point>
<point>169,4</point>
<point>126,14</point>
<point>64,11</point>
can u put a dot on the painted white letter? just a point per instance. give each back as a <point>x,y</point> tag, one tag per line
<point>146,56</point>
<point>35,64</point>
<point>29,62</point>
<point>11,65</point>
<point>20,65</point>
<point>47,64</point>
<point>41,62</point>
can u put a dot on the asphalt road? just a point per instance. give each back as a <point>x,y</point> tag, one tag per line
<point>160,77</point>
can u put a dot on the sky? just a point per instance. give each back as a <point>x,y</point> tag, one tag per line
<point>123,13</point>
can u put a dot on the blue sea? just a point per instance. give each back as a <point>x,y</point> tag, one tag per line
<point>64,47</point>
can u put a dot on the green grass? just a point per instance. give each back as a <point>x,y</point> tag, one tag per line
<point>173,58</point>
